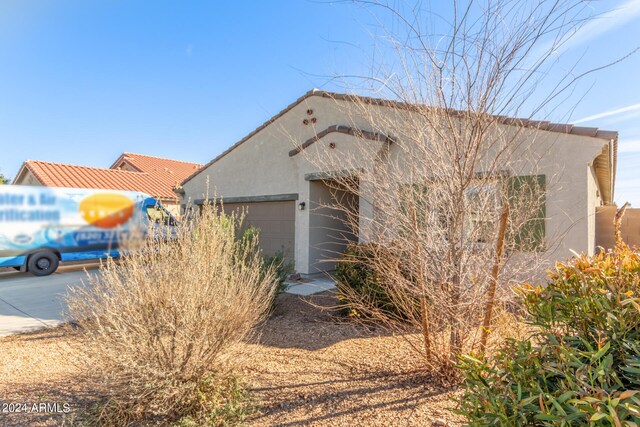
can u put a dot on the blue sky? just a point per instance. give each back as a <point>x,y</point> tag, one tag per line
<point>81,82</point>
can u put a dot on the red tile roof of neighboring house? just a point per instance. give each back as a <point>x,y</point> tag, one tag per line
<point>169,172</point>
<point>156,184</point>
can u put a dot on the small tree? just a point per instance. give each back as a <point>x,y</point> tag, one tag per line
<point>435,164</point>
<point>3,180</point>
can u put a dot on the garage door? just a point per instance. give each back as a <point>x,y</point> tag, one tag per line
<point>276,221</point>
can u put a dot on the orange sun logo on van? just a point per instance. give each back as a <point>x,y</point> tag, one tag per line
<point>106,210</point>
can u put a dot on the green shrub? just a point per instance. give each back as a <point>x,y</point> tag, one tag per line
<point>281,266</point>
<point>282,269</point>
<point>275,263</point>
<point>357,282</point>
<point>220,403</point>
<point>581,366</point>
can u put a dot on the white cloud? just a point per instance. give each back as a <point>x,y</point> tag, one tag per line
<point>604,23</point>
<point>628,108</point>
<point>629,117</point>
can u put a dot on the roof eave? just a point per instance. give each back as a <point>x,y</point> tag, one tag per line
<point>254,132</point>
<point>23,170</point>
<point>605,169</point>
<point>569,129</point>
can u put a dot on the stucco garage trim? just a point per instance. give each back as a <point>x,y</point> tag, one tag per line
<point>250,199</point>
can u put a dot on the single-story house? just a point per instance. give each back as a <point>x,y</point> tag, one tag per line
<point>266,173</point>
<point>132,172</point>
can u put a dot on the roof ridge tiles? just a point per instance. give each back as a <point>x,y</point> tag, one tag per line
<point>28,162</point>
<point>128,153</point>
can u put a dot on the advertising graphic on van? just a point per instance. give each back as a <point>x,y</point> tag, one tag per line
<point>106,210</point>
<point>25,208</point>
<point>41,226</point>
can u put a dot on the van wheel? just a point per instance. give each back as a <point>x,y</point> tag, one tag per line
<point>42,263</point>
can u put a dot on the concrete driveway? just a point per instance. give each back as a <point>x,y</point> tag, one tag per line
<point>28,302</point>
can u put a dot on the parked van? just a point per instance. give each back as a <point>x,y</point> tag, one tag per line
<point>43,226</point>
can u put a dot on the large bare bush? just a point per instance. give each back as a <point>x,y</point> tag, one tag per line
<point>161,323</point>
<point>436,162</point>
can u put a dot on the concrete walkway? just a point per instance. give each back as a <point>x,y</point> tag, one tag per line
<point>28,302</point>
<point>306,287</point>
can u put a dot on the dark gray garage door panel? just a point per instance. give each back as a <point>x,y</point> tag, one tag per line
<point>276,221</point>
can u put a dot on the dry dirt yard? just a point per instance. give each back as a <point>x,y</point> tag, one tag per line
<point>308,368</point>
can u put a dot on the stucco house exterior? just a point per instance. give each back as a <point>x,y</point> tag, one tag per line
<point>132,172</point>
<point>267,173</point>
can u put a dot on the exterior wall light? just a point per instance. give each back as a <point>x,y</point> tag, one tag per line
<point>301,205</point>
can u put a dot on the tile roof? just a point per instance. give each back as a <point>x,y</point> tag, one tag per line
<point>168,172</point>
<point>157,183</point>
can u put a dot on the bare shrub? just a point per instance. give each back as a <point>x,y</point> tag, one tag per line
<point>162,322</point>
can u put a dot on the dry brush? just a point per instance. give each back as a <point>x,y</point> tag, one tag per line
<point>161,324</point>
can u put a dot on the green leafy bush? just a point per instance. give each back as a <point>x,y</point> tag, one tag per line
<point>581,366</point>
<point>357,282</point>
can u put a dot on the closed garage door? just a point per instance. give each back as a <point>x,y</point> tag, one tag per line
<point>276,221</point>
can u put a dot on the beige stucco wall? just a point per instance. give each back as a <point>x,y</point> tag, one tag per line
<point>571,193</point>
<point>262,166</point>
<point>571,196</point>
<point>26,178</point>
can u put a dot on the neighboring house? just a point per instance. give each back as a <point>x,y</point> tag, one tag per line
<point>266,173</point>
<point>134,172</point>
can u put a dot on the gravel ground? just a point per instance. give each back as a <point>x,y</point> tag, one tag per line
<point>308,368</point>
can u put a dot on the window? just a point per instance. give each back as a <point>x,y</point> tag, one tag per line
<point>428,207</point>
<point>483,201</point>
<point>526,196</point>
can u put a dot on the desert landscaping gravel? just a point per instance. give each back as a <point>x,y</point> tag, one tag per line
<point>309,367</point>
